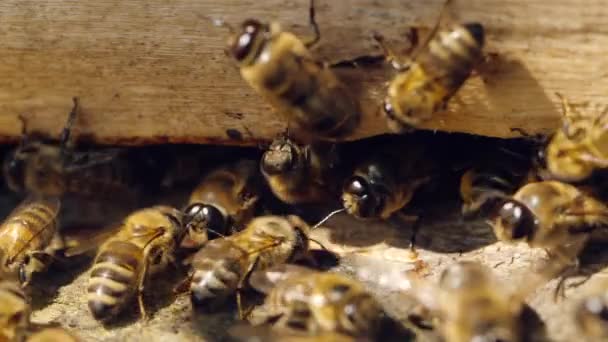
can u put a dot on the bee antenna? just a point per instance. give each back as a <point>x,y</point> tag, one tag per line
<point>24,135</point>
<point>216,233</point>
<point>318,243</point>
<point>330,215</point>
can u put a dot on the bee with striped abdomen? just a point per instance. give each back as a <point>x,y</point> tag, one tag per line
<point>29,238</point>
<point>299,173</point>
<point>15,311</point>
<point>300,299</point>
<point>144,245</point>
<point>279,66</point>
<point>436,71</point>
<point>580,147</point>
<point>47,169</point>
<point>222,203</point>
<point>222,266</point>
<point>469,303</point>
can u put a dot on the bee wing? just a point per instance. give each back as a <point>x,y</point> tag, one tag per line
<point>265,280</point>
<point>85,240</point>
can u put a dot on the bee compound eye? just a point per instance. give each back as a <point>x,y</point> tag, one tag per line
<point>357,186</point>
<point>245,41</point>
<point>214,219</point>
<point>516,219</point>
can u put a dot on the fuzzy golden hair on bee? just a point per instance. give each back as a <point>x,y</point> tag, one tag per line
<point>280,67</point>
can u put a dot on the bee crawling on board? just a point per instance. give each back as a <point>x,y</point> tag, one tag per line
<point>469,303</point>
<point>433,73</point>
<point>577,149</point>
<point>224,201</point>
<point>222,267</point>
<point>29,238</point>
<point>48,169</point>
<point>552,215</point>
<point>300,173</point>
<point>280,67</point>
<point>304,300</point>
<point>143,245</point>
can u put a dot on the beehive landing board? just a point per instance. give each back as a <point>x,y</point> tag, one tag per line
<point>372,247</point>
<point>150,71</point>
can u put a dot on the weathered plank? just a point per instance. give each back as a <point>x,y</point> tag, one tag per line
<point>150,71</point>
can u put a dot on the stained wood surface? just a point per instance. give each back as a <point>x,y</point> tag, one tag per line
<point>153,71</point>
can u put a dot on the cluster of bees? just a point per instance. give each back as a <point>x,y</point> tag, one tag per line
<point>232,243</point>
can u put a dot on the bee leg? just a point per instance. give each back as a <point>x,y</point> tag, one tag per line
<point>140,293</point>
<point>597,161</point>
<point>398,61</point>
<point>184,285</point>
<point>415,220</point>
<point>313,25</point>
<point>34,262</point>
<point>64,141</point>
<point>242,314</point>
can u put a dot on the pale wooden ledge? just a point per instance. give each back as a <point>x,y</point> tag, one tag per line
<point>150,71</point>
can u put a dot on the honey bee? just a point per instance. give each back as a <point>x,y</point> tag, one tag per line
<point>15,311</point>
<point>297,173</point>
<point>469,304</point>
<point>29,238</point>
<point>385,183</point>
<point>222,203</point>
<point>482,187</point>
<point>551,215</point>
<point>222,266</point>
<point>143,245</point>
<point>305,300</point>
<point>280,67</point>
<point>591,316</point>
<point>576,150</point>
<point>433,75</point>
<point>47,169</point>
<point>52,334</point>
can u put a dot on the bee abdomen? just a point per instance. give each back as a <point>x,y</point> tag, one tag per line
<point>38,219</point>
<point>113,279</point>
<point>456,51</point>
<point>212,284</point>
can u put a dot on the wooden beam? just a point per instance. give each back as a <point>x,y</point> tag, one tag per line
<point>151,71</point>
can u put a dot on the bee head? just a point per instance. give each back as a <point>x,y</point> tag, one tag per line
<point>360,198</point>
<point>281,157</point>
<point>245,46</point>
<point>592,316</point>
<point>514,221</point>
<point>476,31</point>
<point>204,220</point>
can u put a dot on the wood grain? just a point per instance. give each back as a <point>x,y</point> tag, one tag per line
<point>153,71</point>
